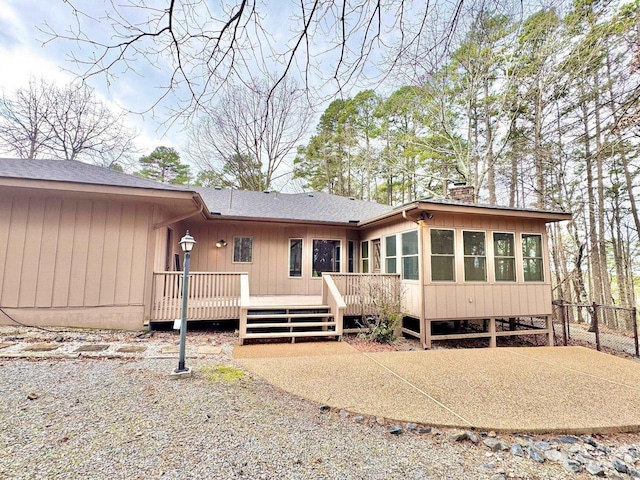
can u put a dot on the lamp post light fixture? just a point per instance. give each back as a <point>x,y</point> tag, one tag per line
<point>187,242</point>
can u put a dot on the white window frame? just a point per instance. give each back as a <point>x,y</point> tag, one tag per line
<point>455,262</point>
<point>386,254</point>
<point>367,258</point>
<point>403,256</point>
<point>485,256</point>
<point>234,249</point>
<point>301,258</point>
<point>339,254</point>
<point>542,253</point>
<point>515,257</point>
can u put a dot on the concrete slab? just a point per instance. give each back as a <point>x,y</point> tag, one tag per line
<point>92,348</point>
<point>132,349</point>
<point>535,390</point>
<point>41,347</point>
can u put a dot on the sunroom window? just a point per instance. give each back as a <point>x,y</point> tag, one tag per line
<point>504,253</point>
<point>443,267</point>
<point>475,259</point>
<point>532,264</point>
<point>326,256</point>
<point>364,255</point>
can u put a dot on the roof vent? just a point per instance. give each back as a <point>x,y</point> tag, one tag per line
<point>351,198</point>
<point>266,191</point>
<point>354,221</point>
<point>310,194</point>
<point>217,188</point>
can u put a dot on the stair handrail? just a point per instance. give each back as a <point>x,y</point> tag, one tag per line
<point>332,297</point>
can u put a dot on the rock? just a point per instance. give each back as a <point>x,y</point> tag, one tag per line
<point>411,427</point>
<point>395,430</point>
<point>572,466</point>
<point>491,434</point>
<point>568,439</point>
<point>32,396</point>
<point>424,430</point>
<point>619,465</point>
<point>633,473</point>
<point>573,449</point>
<point>542,446</point>
<point>495,445</point>
<point>380,420</point>
<point>325,409</point>
<point>457,435</point>
<point>595,469</point>
<point>554,455</point>
<point>472,437</point>
<point>517,450</point>
<point>436,431</point>
<point>344,414</point>
<point>589,440</point>
<point>535,454</point>
<point>358,419</point>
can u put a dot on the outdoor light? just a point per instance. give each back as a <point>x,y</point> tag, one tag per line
<point>221,243</point>
<point>187,242</point>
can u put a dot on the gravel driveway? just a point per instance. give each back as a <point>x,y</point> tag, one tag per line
<point>125,418</point>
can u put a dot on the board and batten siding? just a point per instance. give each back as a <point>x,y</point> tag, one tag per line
<point>269,269</point>
<point>460,299</point>
<point>75,262</point>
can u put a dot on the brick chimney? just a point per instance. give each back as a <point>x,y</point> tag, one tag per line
<point>462,193</point>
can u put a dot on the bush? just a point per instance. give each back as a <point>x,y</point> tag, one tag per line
<point>381,299</point>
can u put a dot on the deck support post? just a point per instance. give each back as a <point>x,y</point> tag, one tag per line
<point>550,331</point>
<point>425,334</point>
<point>492,330</point>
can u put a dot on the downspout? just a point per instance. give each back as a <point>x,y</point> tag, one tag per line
<point>421,261</point>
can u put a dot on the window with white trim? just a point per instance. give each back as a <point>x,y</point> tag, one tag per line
<point>475,257</point>
<point>410,260</point>
<point>504,257</point>
<point>443,258</point>
<point>326,257</point>
<point>364,256</point>
<point>532,264</point>
<point>391,254</point>
<point>243,249</point>
<point>295,257</point>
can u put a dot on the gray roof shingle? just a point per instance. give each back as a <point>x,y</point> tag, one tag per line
<point>76,172</point>
<point>313,207</point>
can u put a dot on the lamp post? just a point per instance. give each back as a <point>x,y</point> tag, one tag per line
<point>187,242</point>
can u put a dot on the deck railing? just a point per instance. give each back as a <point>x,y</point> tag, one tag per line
<point>333,299</point>
<point>358,289</point>
<point>212,296</point>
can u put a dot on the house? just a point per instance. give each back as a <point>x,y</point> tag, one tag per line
<point>81,245</point>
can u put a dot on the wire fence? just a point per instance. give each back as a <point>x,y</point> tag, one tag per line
<point>603,327</point>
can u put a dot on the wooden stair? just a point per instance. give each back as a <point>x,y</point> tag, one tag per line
<point>291,321</point>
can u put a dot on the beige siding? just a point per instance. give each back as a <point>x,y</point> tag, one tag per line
<point>269,270</point>
<point>449,300</point>
<point>66,252</point>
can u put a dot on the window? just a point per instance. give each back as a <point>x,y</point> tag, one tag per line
<point>390,253</point>
<point>351,256</point>
<point>475,260</point>
<point>364,255</point>
<point>532,257</point>
<point>326,256</point>
<point>410,255</point>
<point>295,257</point>
<point>504,253</point>
<point>243,249</point>
<point>443,260</point>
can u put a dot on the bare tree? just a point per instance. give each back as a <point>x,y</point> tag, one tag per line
<point>248,135</point>
<point>24,129</point>
<point>198,46</point>
<point>69,122</point>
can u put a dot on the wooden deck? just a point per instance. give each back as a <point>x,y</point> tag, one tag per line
<point>284,300</point>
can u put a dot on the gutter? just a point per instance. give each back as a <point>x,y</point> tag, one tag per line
<point>179,217</point>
